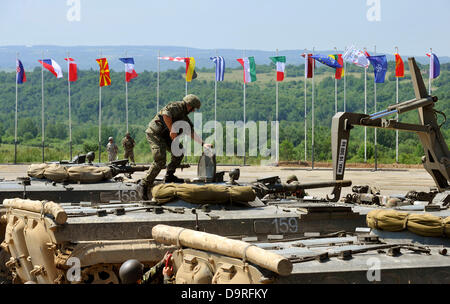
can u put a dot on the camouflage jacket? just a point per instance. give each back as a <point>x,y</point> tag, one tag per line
<point>128,143</point>
<point>155,275</point>
<point>176,111</point>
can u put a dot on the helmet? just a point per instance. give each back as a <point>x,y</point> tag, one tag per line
<point>292,178</point>
<point>131,271</point>
<point>90,156</point>
<point>192,100</point>
<point>110,138</point>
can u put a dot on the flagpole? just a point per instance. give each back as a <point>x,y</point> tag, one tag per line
<point>244,110</point>
<point>277,122</point>
<point>365,111</point>
<point>126,92</point>
<point>312,114</point>
<point>335,91</point>
<point>42,108</point>
<point>430,71</point>
<point>100,119</point>
<point>375,105</point>
<point>15,119</point>
<point>157,84</point>
<point>306,122</point>
<point>396,101</point>
<point>70,117</point>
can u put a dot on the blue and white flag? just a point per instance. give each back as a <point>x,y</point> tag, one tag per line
<point>435,66</point>
<point>380,67</point>
<point>220,67</point>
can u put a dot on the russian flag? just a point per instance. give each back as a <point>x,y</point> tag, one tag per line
<point>20,72</point>
<point>130,73</point>
<point>435,66</point>
<point>52,66</point>
<point>73,75</point>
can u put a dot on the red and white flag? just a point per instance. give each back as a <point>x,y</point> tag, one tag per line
<point>73,75</point>
<point>310,65</point>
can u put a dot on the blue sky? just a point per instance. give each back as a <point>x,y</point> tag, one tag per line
<point>412,25</point>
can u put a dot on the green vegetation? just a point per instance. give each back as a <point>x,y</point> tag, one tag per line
<point>260,106</point>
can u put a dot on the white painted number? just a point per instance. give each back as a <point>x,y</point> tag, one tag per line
<point>285,225</point>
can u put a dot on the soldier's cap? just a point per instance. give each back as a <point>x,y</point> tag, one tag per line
<point>110,138</point>
<point>291,178</point>
<point>192,100</point>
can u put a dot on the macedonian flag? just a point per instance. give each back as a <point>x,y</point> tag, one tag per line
<point>105,79</point>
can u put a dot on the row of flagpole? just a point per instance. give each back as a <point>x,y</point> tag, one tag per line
<point>104,66</point>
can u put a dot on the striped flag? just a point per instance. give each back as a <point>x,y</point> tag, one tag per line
<point>310,64</point>
<point>399,66</point>
<point>52,66</point>
<point>20,72</point>
<point>73,74</point>
<point>435,66</point>
<point>190,65</point>
<point>248,63</point>
<point>339,71</point>
<point>220,67</point>
<point>177,59</point>
<point>130,72</point>
<point>280,61</point>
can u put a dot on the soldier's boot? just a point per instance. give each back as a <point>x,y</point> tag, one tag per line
<point>171,178</point>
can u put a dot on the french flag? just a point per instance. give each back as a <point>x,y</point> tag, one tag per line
<point>52,66</point>
<point>130,73</point>
<point>21,77</point>
<point>435,66</point>
<point>73,75</point>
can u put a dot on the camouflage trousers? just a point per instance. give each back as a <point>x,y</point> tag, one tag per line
<point>159,145</point>
<point>129,154</point>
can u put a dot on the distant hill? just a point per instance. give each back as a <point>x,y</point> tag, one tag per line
<point>146,56</point>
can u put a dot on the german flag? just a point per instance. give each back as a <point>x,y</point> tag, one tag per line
<point>105,79</point>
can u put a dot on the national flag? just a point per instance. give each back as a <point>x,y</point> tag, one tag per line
<point>52,66</point>
<point>435,66</point>
<point>130,73</point>
<point>356,56</point>
<point>190,65</point>
<point>220,67</point>
<point>248,63</point>
<point>339,71</point>
<point>105,79</point>
<point>380,67</point>
<point>280,62</point>
<point>190,69</point>
<point>73,74</point>
<point>20,72</point>
<point>310,64</point>
<point>399,66</point>
<point>327,60</point>
<point>177,59</point>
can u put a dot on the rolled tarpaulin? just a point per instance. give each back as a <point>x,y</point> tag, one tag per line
<point>170,235</point>
<point>425,225</point>
<point>446,223</point>
<point>203,194</point>
<point>37,170</point>
<point>388,220</point>
<point>89,174</point>
<point>36,206</point>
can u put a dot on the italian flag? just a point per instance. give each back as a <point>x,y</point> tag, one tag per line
<point>248,63</point>
<point>280,61</point>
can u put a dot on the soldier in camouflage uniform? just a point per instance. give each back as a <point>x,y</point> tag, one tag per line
<point>160,136</point>
<point>112,149</point>
<point>128,146</point>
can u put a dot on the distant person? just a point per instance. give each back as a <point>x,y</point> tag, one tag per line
<point>128,146</point>
<point>112,149</point>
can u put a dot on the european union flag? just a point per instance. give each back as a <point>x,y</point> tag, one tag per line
<point>327,60</point>
<point>380,67</point>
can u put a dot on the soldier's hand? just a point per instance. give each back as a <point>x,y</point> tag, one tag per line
<point>173,135</point>
<point>208,146</point>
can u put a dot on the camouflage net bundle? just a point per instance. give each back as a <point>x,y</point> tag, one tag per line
<point>58,173</point>
<point>203,194</point>
<point>420,224</point>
